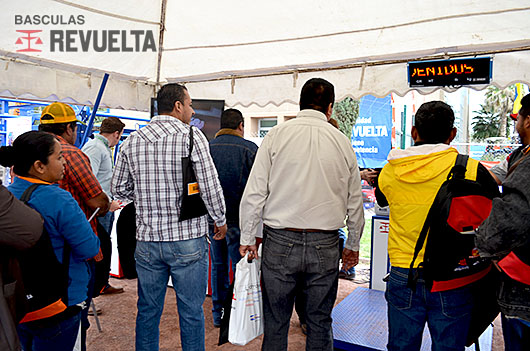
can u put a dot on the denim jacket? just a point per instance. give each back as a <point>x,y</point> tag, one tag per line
<point>233,157</point>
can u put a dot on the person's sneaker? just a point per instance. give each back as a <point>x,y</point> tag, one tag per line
<point>345,275</point>
<point>109,289</point>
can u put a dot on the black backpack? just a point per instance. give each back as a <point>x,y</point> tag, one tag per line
<point>44,278</point>
<point>451,259</point>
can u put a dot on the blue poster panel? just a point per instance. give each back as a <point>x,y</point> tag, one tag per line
<point>372,132</point>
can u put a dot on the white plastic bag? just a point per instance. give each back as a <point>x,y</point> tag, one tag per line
<point>246,317</point>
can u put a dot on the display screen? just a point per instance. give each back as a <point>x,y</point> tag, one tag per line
<point>207,115</point>
<point>450,72</point>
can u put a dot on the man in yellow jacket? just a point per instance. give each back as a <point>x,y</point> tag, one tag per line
<point>408,184</point>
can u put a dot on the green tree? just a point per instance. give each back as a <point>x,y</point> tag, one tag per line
<point>501,102</point>
<point>486,123</point>
<point>345,112</point>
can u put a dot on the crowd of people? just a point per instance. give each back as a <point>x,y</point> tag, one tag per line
<point>294,194</point>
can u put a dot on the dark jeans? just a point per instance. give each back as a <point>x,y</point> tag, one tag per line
<point>103,266</point>
<point>306,260</point>
<point>60,336</point>
<point>222,252</point>
<point>447,314</point>
<point>85,323</point>
<point>516,334</point>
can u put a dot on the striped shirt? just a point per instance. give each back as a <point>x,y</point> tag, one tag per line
<point>148,171</point>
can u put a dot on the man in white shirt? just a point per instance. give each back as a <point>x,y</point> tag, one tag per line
<point>304,183</point>
<point>99,151</point>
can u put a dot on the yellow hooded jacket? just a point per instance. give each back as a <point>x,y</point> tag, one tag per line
<point>410,182</point>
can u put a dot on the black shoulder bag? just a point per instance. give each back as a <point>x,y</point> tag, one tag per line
<point>191,204</point>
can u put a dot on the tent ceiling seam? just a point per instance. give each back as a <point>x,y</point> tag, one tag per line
<point>285,70</point>
<point>86,8</point>
<point>272,41</point>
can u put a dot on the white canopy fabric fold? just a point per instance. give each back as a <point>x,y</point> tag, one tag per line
<point>248,52</point>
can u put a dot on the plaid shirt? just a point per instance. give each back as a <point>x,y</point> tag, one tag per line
<point>149,172</point>
<point>80,181</point>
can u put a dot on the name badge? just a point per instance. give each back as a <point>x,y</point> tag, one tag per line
<point>193,188</point>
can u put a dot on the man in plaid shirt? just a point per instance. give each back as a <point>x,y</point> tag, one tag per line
<point>60,119</point>
<point>148,171</point>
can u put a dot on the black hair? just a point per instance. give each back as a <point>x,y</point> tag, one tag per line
<point>168,95</point>
<point>27,148</point>
<point>56,128</point>
<point>231,118</point>
<point>434,122</point>
<point>111,125</point>
<point>525,106</point>
<point>317,94</point>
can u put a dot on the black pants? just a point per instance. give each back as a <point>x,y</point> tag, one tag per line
<point>103,266</point>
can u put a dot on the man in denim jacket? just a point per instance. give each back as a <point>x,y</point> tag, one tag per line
<point>233,157</point>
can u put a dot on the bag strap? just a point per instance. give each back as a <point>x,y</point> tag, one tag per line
<point>457,172</point>
<point>191,142</point>
<point>27,193</point>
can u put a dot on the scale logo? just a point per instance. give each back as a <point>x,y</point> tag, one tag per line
<point>65,34</point>
<point>28,36</point>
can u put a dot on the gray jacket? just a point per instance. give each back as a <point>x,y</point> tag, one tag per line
<point>507,229</point>
<point>20,228</point>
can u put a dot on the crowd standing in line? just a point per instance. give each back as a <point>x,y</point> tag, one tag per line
<point>303,184</point>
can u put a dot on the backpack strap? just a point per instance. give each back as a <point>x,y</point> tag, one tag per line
<point>27,193</point>
<point>458,171</point>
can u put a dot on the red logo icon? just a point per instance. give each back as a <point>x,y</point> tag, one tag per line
<point>29,38</point>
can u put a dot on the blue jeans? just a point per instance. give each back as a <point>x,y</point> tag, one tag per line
<point>107,221</point>
<point>222,252</point>
<point>516,333</point>
<point>85,323</point>
<point>299,262</point>
<point>60,336</point>
<point>187,263</point>
<point>447,314</point>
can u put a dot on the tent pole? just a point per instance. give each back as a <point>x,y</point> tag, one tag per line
<point>161,40</point>
<point>88,130</point>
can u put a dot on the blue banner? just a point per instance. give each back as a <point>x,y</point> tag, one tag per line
<point>372,133</point>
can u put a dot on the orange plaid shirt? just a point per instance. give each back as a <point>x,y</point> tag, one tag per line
<point>80,181</point>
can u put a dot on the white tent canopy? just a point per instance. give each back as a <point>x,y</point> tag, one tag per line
<point>248,52</point>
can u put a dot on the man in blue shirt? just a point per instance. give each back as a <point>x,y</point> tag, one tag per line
<point>233,157</point>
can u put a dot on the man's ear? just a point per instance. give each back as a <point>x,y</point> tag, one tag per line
<point>451,136</point>
<point>414,134</point>
<point>329,111</point>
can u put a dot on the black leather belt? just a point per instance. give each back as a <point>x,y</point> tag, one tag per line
<point>311,230</point>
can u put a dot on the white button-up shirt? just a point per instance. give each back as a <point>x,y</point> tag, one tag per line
<point>305,176</point>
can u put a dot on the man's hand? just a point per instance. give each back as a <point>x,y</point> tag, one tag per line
<point>369,175</point>
<point>219,232</point>
<point>114,205</point>
<point>349,259</point>
<point>251,249</point>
